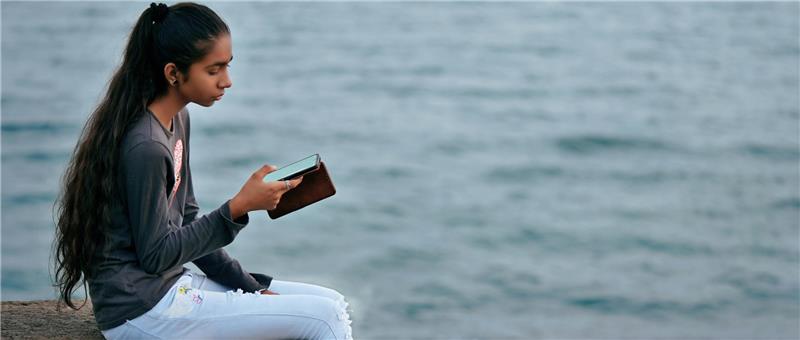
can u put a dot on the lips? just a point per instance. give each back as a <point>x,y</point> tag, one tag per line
<point>219,97</point>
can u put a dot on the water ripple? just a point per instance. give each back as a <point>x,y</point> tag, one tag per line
<point>587,144</point>
<point>651,309</point>
<point>39,127</point>
<point>771,152</point>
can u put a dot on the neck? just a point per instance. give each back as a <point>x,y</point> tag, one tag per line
<point>165,108</point>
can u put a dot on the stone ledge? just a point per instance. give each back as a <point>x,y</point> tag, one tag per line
<point>40,320</point>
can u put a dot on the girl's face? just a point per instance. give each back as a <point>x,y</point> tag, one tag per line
<point>208,77</point>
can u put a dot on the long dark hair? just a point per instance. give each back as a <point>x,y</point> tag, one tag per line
<point>182,34</point>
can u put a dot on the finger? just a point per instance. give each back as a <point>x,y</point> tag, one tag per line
<point>290,184</point>
<point>264,170</point>
<point>287,185</point>
<point>276,186</point>
<point>295,182</point>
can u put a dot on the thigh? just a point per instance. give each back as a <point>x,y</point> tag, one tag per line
<point>194,313</point>
<point>127,331</point>
<point>300,288</point>
<point>202,282</point>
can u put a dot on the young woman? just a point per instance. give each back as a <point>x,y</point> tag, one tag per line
<point>127,215</point>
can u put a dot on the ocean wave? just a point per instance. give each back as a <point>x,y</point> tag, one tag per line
<point>523,173</point>
<point>42,127</point>
<point>650,309</point>
<point>662,246</point>
<point>759,285</point>
<point>225,129</point>
<point>587,144</point>
<point>791,203</point>
<point>30,198</point>
<point>37,156</point>
<point>771,152</point>
<point>655,176</point>
<point>770,252</point>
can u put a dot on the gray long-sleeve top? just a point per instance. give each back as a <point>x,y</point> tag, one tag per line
<point>154,227</point>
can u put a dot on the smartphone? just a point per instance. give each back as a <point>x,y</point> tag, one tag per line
<point>295,169</point>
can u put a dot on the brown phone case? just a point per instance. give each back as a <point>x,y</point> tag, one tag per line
<point>316,186</point>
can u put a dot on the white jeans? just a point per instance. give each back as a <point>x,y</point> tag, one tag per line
<point>196,307</point>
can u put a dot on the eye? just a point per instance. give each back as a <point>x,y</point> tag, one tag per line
<point>217,69</point>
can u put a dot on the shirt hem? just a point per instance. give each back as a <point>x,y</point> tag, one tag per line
<point>104,326</point>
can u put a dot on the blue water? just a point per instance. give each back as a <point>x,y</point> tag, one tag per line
<point>514,170</point>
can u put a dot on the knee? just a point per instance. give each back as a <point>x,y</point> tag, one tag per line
<point>338,318</point>
<point>331,293</point>
<point>338,296</point>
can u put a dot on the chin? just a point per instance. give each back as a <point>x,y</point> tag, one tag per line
<point>205,104</point>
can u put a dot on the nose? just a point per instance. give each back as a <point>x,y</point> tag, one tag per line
<point>226,82</point>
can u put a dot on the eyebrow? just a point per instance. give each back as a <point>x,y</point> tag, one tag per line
<point>220,63</point>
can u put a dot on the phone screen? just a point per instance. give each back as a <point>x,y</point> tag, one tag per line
<point>294,169</point>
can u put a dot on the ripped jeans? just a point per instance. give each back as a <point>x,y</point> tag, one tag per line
<point>196,307</point>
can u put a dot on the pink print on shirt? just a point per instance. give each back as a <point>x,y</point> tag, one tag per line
<point>177,157</point>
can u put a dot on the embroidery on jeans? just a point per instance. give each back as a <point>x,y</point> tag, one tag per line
<point>185,300</point>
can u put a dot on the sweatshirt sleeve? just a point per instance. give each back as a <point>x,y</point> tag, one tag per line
<point>225,270</point>
<point>190,207</point>
<point>159,243</point>
<point>218,265</point>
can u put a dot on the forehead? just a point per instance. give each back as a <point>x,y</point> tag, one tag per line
<point>221,51</point>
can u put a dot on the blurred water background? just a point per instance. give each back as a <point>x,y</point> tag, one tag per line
<point>504,170</point>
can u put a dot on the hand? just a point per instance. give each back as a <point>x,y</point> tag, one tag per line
<point>259,195</point>
<point>268,292</point>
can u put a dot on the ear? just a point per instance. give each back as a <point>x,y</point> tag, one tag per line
<point>171,73</point>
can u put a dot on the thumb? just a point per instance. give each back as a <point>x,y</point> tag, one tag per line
<point>264,170</point>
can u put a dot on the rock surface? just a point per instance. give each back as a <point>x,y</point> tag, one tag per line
<point>41,320</point>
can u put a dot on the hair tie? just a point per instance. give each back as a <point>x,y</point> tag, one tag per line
<point>159,11</point>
